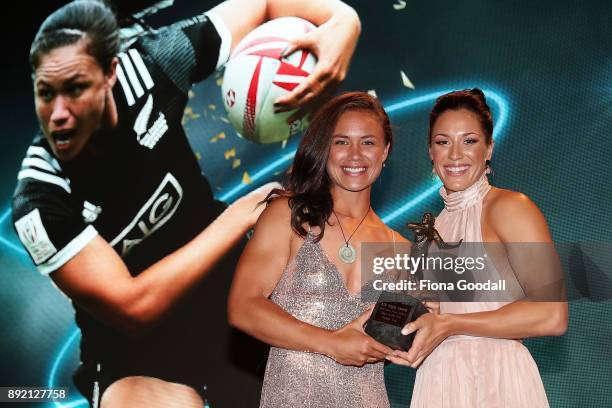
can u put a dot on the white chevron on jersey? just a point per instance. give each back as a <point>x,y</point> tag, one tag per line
<point>38,151</point>
<point>131,74</point>
<point>125,86</point>
<point>141,67</point>
<point>44,177</point>
<point>35,162</point>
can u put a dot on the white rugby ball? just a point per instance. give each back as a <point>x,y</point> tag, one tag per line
<point>256,75</point>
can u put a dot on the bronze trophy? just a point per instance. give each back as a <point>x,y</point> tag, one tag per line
<point>394,310</point>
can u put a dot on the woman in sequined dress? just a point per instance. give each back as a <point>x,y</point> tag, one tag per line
<point>470,354</point>
<point>293,291</point>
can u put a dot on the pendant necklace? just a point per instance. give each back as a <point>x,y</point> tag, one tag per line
<point>347,252</point>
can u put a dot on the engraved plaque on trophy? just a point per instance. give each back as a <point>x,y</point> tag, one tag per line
<point>394,310</point>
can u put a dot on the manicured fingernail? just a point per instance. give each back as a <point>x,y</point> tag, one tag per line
<point>404,332</point>
<point>283,53</point>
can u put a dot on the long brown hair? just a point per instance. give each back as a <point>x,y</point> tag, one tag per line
<point>307,184</point>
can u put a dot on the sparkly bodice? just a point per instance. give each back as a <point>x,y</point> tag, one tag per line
<point>312,290</point>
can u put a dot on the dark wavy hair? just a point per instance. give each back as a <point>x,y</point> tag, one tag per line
<point>471,99</point>
<point>307,184</point>
<point>90,19</point>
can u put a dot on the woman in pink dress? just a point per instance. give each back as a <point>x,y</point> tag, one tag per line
<point>470,353</point>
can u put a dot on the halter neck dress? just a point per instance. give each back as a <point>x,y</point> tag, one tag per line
<point>469,371</point>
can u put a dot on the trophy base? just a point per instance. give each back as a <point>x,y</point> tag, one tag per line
<point>392,312</point>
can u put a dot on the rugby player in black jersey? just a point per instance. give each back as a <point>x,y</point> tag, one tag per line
<point>112,205</point>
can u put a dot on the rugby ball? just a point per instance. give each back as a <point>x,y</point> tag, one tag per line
<point>256,75</point>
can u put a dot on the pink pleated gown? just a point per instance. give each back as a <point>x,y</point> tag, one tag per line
<point>468,371</point>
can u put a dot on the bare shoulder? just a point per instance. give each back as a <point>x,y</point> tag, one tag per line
<point>274,223</point>
<point>501,201</point>
<point>515,217</point>
<point>277,210</point>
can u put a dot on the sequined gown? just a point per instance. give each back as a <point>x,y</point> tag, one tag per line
<point>312,290</point>
<point>469,371</point>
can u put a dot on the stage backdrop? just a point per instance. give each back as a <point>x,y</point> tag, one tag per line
<point>546,70</point>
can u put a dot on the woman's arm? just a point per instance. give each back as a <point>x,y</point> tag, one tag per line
<point>250,310</point>
<point>514,218</point>
<point>98,280</point>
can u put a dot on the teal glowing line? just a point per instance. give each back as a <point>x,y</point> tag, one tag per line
<point>12,246</point>
<point>284,160</point>
<point>55,368</point>
<point>60,355</point>
<point>287,157</point>
<point>4,216</point>
<point>81,402</point>
<point>414,101</point>
<point>6,241</point>
<point>412,202</point>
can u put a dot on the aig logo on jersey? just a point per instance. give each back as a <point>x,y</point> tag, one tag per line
<point>32,233</point>
<point>158,209</point>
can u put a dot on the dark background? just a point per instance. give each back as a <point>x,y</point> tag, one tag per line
<point>548,64</point>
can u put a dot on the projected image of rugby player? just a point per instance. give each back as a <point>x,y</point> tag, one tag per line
<point>111,202</point>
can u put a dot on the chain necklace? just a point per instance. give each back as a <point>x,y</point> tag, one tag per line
<point>347,252</point>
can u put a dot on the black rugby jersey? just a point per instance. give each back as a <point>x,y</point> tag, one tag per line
<point>138,185</point>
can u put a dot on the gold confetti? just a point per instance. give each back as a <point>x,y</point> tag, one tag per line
<point>212,107</point>
<point>284,144</point>
<point>230,153</point>
<point>276,173</point>
<point>217,137</point>
<point>219,81</point>
<point>372,92</point>
<point>401,4</point>
<point>236,163</point>
<point>246,179</point>
<point>406,81</point>
<point>198,156</point>
<point>190,94</point>
<point>188,113</point>
<point>224,119</point>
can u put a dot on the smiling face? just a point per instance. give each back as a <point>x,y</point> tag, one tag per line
<point>358,151</point>
<point>459,149</point>
<point>71,92</point>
